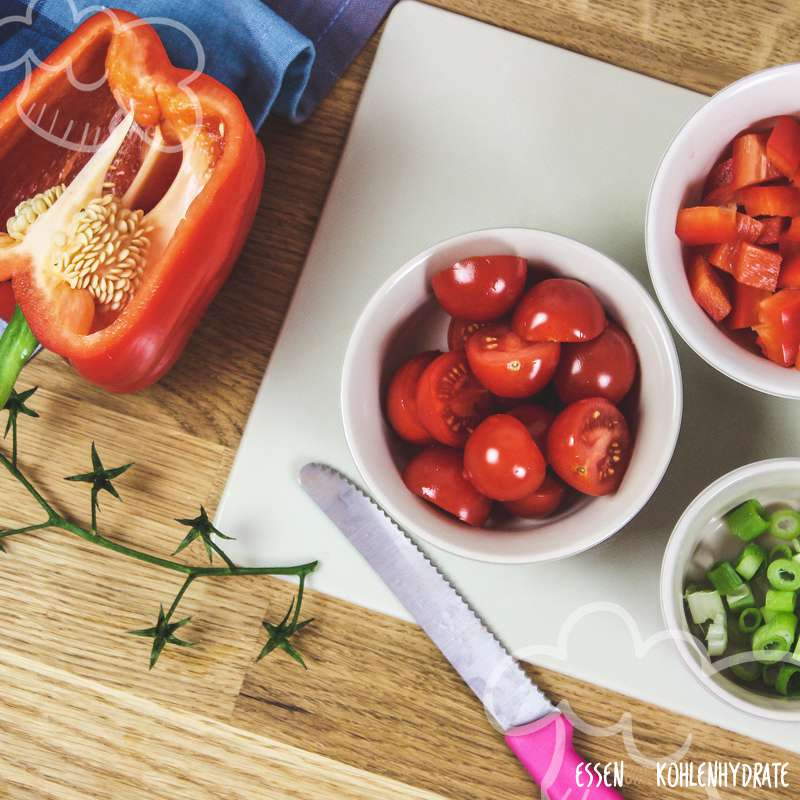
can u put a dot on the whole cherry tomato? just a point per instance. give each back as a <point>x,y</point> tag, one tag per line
<point>401,399</point>
<point>450,401</point>
<point>602,367</point>
<point>542,502</point>
<point>437,475</point>
<point>482,288</point>
<point>509,366</point>
<point>501,459</point>
<point>559,310</point>
<point>459,331</point>
<point>537,419</point>
<point>589,446</point>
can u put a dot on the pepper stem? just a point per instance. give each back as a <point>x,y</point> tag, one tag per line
<point>17,345</point>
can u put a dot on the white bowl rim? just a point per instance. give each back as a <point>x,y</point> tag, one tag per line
<point>557,553</point>
<point>669,602</point>
<point>731,369</point>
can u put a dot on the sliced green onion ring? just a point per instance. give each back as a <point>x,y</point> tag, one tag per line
<point>788,681</point>
<point>772,641</point>
<point>741,598</point>
<point>724,578</point>
<point>781,550</point>
<point>747,671</point>
<point>784,575</point>
<point>785,524</point>
<point>750,620</point>
<point>781,601</point>
<point>747,520</point>
<point>750,560</point>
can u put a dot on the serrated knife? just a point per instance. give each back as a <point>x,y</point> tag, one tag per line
<point>538,734</point>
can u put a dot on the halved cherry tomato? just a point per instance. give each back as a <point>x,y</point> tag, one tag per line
<point>756,266</point>
<point>559,310</point>
<point>750,162</point>
<point>459,331</point>
<point>708,288</point>
<point>437,475</point>
<point>588,446</point>
<point>707,225</point>
<point>537,419</point>
<point>771,201</point>
<point>509,366</point>
<point>603,367</point>
<point>542,502</point>
<point>481,289</point>
<point>783,146</point>
<point>746,301</point>
<point>450,401</point>
<point>401,399</point>
<point>7,301</point>
<point>501,459</point>
<point>789,277</point>
<point>778,327</point>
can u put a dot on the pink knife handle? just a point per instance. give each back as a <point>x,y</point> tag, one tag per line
<point>545,750</point>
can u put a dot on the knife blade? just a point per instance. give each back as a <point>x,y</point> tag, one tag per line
<point>535,731</point>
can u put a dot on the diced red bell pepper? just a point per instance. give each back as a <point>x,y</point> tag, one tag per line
<point>789,277</point>
<point>749,228</point>
<point>199,224</point>
<point>771,201</point>
<point>708,288</point>
<point>783,146</point>
<point>746,302</point>
<point>719,188</point>
<point>778,327</point>
<point>772,228</point>
<point>789,243</point>
<point>750,162</point>
<point>756,266</point>
<point>707,225</point>
<point>723,256</point>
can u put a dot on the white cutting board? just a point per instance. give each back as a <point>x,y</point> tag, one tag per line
<point>464,126</point>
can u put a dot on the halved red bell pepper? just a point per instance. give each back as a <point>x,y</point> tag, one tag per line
<point>778,327</point>
<point>783,146</point>
<point>756,266</point>
<point>7,301</point>
<point>771,201</point>
<point>200,202</point>
<point>708,288</point>
<point>746,303</point>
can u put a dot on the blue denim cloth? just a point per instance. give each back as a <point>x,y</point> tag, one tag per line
<point>281,55</point>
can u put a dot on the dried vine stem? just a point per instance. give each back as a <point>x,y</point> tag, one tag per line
<point>101,480</point>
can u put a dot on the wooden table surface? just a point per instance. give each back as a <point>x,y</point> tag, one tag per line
<point>378,714</point>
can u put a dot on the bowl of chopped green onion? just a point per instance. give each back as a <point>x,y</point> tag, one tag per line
<point>730,587</point>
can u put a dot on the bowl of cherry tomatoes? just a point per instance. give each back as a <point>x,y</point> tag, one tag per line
<point>723,231</point>
<point>512,396</point>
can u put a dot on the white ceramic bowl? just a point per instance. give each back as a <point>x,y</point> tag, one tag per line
<point>699,540</point>
<point>678,182</point>
<point>403,318</point>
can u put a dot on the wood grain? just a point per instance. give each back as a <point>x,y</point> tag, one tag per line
<point>82,717</point>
